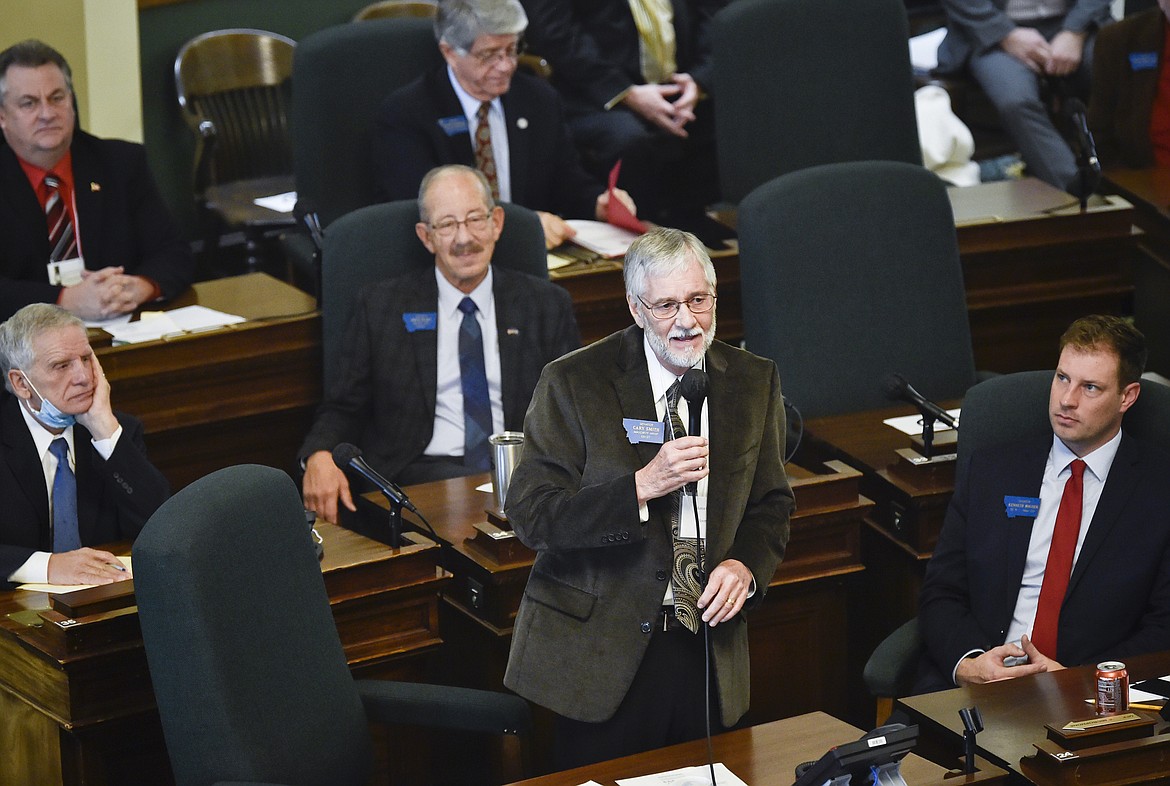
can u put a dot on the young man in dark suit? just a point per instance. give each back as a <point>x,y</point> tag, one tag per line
<point>404,394</point>
<point>434,121</point>
<point>607,636</point>
<point>73,471</point>
<point>1056,552</point>
<point>82,223</point>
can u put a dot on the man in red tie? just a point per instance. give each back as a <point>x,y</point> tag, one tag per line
<point>82,223</point>
<point>1056,552</point>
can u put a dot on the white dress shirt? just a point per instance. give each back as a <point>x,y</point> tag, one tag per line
<point>447,438</point>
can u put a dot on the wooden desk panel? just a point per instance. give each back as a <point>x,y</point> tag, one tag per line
<point>764,755</point>
<point>86,715</point>
<point>244,393</point>
<point>1015,711</point>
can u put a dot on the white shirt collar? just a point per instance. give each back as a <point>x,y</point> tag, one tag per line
<point>42,437</point>
<point>470,103</point>
<point>1098,462</point>
<point>450,297</point>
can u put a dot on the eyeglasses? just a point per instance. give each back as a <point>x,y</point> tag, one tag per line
<point>476,223</point>
<point>699,304</point>
<point>490,57</point>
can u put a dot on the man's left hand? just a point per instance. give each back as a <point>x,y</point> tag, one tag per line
<point>727,590</point>
<point>99,419</point>
<point>556,229</point>
<point>1036,656</point>
<point>688,96</point>
<point>601,208</point>
<point>1065,52</point>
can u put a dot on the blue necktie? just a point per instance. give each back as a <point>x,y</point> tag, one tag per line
<point>65,534</point>
<point>477,408</point>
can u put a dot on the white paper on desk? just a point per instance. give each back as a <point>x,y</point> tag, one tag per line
<point>924,49</point>
<point>557,261</point>
<point>486,487</point>
<point>106,324</point>
<point>686,776</point>
<point>281,203</point>
<point>57,589</point>
<point>601,238</point>
<point>912,424</point>
<point>191,318</point>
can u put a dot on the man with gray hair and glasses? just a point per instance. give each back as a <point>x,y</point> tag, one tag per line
<point>645,535</point>
<point>434,361</point>
<point>73,471</point>
<point>477,110</point>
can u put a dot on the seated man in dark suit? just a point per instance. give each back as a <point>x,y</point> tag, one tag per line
<point>522,143</point>
<point>438,360</point>
<point>632,85</point>
<point>73,472</point>
<point>1056,552</point>
<point>82,223</point>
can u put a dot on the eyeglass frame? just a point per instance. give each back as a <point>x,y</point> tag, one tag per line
<point>492,56</point>
<point>678,304</point>
<point>449,227</point>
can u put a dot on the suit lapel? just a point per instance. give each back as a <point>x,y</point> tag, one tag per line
<point>727,403</point>
<point>20,454</point>
<point>87,183</point>
<point>458,145</point>
<point>1123,477</point>
<point>632,386</point>
<point>1024,474</point>
<point>25,207</point>
<point>89,485</point>
<point>424,344</point>
<point>510,318</point>
<point>517,146</point>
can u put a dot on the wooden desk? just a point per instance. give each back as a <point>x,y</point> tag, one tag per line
<point>764,755</point>
<point>76,704</point>
<point>244,393</point>
<point>801,624</point>
<point>1015,711</point>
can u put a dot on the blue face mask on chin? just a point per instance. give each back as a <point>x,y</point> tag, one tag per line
<point>49,415</point>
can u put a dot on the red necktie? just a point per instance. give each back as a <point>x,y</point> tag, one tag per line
<point>485,158</point>
<point>1060,561</point>
<point>62,243</point>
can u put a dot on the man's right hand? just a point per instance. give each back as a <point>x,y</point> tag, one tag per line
<point>85,566</point>
<point>1027,45</point>
<point>677,463</point>
<point>324,484</point>
<point>653,103</point>
<point>989,666</point>
<point>101,294</point>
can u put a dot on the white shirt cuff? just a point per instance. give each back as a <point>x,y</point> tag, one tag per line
<point>35,569</point>
<point>955,670</point>
<point>105,447</point>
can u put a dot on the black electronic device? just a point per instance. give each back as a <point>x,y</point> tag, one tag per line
<point>883,746</point>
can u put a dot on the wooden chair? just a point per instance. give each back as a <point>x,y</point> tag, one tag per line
<point>233,90</point>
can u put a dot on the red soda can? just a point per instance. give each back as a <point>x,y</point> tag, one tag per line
<point>1112,688</point>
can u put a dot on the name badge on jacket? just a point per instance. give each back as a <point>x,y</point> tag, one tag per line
<point>644,430</point>
<point>1143,61</point>
<point>1021,507</point>
<point>420,320</point>
<point>453,125</point>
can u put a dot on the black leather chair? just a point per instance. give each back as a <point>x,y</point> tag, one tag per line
<point>849,272</point>
<point>379,242</point>
<point>805,82</point>
<point>249,674</point>
<point>341,75</point>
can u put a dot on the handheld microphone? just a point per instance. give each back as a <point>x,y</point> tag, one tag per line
<point>693,387</point>
<point>347,456</point>
<point>898,389</point>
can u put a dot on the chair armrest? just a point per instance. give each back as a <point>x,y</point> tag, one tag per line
<point>891,669</point>
<point>446,707</point>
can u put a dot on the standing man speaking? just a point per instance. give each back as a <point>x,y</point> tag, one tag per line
<point>609,632</point>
